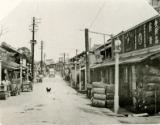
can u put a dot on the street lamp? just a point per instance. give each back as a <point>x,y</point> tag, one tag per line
<point>116,96</point>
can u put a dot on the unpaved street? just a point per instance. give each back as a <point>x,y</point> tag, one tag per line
<point>62,106</point>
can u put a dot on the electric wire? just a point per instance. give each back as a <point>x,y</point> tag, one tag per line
<point>98,12</point>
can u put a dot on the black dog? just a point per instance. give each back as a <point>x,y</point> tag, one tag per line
<point>48,89</point>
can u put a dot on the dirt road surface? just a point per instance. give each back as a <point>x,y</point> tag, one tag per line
<point>62,106</point>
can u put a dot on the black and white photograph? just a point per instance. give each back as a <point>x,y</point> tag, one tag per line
<point>79,62</point>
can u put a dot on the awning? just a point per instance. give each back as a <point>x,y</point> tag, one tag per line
<point>10,65</point>
<point>129,60</point>
<point>106,47</point>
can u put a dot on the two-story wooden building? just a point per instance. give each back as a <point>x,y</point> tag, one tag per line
<point>13,68</point>
<point>139,65</point>
<point>78,69</point>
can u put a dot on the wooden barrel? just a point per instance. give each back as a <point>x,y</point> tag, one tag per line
<point>99,96</point>
<point>98,103</point>
<point>98,85</point>
<point>110,88</point>
<point>109,103</point>
<point>98,90</point>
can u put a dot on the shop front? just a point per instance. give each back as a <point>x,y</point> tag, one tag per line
<point>10,79</point>
<point>139,81</point>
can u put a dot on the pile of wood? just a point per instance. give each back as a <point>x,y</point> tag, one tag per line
<point>98,94</point>
<point>110,95</point>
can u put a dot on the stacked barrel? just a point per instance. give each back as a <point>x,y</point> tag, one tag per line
<point>102,95</point>
<point>98,94</point>
<point>110,96</point>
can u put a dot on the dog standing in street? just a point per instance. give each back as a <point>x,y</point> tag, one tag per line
<point>48,89</point>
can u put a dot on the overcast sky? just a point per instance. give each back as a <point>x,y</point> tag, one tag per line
<point>61,21</point>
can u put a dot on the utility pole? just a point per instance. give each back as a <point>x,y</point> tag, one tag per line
<point>64,56</point>
<point>76,68</point>
<point>87,58</point>
<point>59,65</point>
<point>44,58</point>
<point>33,42</point>
<point>41,57</point>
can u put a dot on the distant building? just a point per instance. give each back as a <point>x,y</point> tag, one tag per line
<point>155,4</point>
<point>49,61</point>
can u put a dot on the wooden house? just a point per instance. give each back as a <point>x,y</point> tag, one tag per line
<point>78,79</point>
<point>139,71</point>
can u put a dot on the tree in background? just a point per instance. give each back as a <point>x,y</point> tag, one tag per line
<point>26,52</point>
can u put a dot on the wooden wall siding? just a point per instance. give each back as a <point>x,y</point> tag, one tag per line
<point>130,80</point>
<point>103,75</point>
<point>125,86</point>
<point>133,83</point>
<point>99,75</point>
<point>91,76</point>
<point>96,75</point>
<point>139,75</point>
<point>83,79</point>
<point>107,76</point>
<point>111,75</point>
<point>150,33</point>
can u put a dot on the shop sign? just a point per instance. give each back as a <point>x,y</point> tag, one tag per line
<point>145,35</point>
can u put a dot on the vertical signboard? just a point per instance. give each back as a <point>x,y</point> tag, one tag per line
<point>150,33</point>
<point>139,37</point>
<point>129,40</point>
<point>157,30</point>
<point>142,36</point>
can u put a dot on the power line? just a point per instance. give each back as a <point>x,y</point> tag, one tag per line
<point>99,33</point>
<point>98,12</point>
